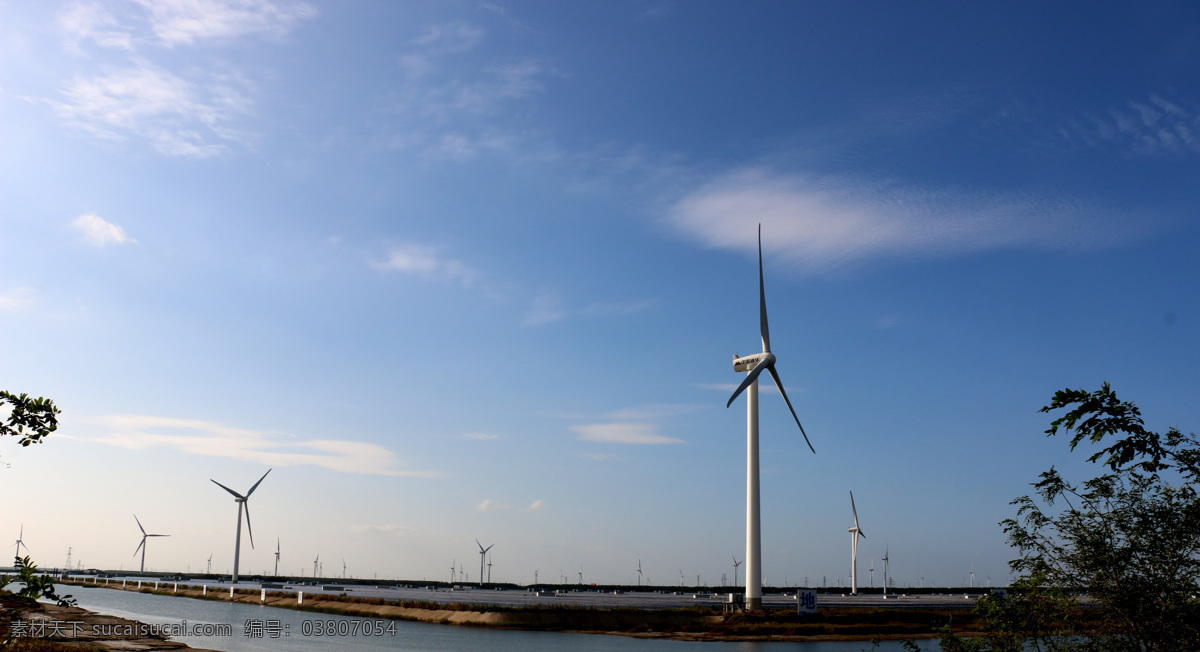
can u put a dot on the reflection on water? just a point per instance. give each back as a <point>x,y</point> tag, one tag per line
<point>291,628</point>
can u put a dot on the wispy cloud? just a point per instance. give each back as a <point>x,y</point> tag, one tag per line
<point>481,436</point>
<point>98,232</point>
<point>139,432</point>
<point>389,528</point>
<point>537,505</point>
<point>548,308</point>
<point>825,223</point>
<point>598,457</point>
<point>184,22</point>
<point>426,262</point>
<point>622,433</point>
<point>1153,127</point>
<point>488,504</point>
<point>178,117</point>
<point>84,21</point>
<point>17,299</point>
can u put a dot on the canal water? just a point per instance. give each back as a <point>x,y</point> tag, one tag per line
<point>256,628</point>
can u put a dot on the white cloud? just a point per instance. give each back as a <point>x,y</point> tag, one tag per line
<point>546,309</point>
<point>822,224</point>
<point>389,528</point>
<point>1155,127</point>
<point>488,504</point>
<point>183,22</point>
<point>622,433</point>
<point>17,299</point>
<point>449,38</point>
<point>427,262</point>
<point>81,21</point>
<point>98,232</point>
<point>138,432</point>
<point>537,505</point>
<point>481,436</point>
<point>661,411</point>
<point>598,457</point>
<point>180,118</point>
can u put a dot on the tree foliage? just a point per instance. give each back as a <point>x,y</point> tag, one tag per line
<point>34,586</point>
<point>31,419</point>
<point>1111,563</point>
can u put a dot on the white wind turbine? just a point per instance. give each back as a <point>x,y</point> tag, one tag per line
<point>482,559</point>
<point>142,545</point>
<point>242,505</point>
<point>639,572</point>
<point>276,556</point>
<point>855,533</point>
<point>209,571</point>
<point>755,364</point>
<point>315,560</point>
<point>736,563</point>
<point>20,544</point>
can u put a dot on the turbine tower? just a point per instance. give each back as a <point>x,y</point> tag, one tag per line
<point>755,364</point>
<point>276,556</point>
<point>885,569</point>
<point>855,533</point>
<point>20,544</point>
<point>242,505</point>
<point>482,559</point>
<point>142,545</point>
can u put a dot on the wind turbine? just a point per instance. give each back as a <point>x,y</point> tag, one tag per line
<point>736,563</point>
<point>639,572</point>
<point>142,545</point>
<point>242,505</point>
<point>680,577</point>
<point>315,560</point>
<point>755,364</point>
<point>855,533</point>
<point>482,558</point>
<point>276,556</point>
<point>453,563</point>
<point>872,573</point>
<point>885,569</point>
<point>209,571</point>
<point>343,569</point>
<point>490,568</point>
<point>20,544</point>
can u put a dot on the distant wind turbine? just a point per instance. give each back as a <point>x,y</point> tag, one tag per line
<point>452,571</point>
<point>736,563</point>
<point>209,570</point>
<point>276,556</point>
<point>20,544</point>
<point>885,569</point>
<point>639,572</point>
<point>855,533</point>
<point>482,558</point>
<point>755,364</point>
<point>142,545</point>
<point>243,505</point>
<point>315,560</point>
<point>343,569</point>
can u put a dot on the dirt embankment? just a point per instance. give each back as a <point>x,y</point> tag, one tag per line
<point>837,624</point>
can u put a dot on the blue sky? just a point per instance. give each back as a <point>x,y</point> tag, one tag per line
<point>478,269</point>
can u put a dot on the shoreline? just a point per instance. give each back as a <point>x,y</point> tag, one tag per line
<point>834,624</point>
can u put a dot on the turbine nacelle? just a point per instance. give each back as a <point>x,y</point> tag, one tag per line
<point>748,362</point>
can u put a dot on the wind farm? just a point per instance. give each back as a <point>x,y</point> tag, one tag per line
<point>448,269</point>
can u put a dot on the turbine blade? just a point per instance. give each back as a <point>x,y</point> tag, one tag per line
<point>135,550</point>
<point>139,524</point>
<point>479,544</point>
<point>762,299</point>
<point>488,548</point>
<point>235,494</point>
<point>249,530</point>
<point>779,384</point>
<point>257,483</point>
<point>852,509</point>
<point>750,377</point>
